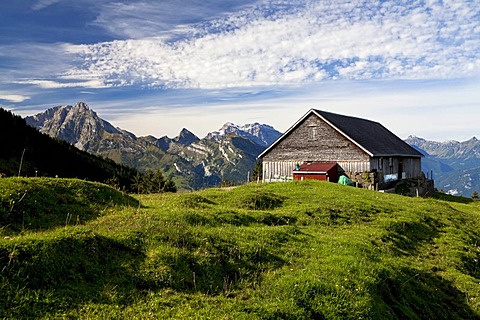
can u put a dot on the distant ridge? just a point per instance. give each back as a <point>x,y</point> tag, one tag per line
<point>455,165</point>
<point>447,149</point>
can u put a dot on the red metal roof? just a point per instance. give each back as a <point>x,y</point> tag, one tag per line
<point>317,167</point>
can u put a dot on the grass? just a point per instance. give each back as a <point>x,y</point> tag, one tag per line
<point>297,250</point>
<point>44,203</point>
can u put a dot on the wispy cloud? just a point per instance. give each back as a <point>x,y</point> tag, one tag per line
<point>134,20</point>
<point>36,60</point>
<point>13,97</point>
<point>49,84</point>
<point>277,45</point>
<point>42,4</point>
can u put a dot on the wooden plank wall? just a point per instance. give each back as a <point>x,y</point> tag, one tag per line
<point>278,170</point>
<point>354,166</point>
<point>283,170</point>
<point>314,140</point>
<point>413,167</point>
<point>389,165</point>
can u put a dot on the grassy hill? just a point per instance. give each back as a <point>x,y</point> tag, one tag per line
<point>297,250</point>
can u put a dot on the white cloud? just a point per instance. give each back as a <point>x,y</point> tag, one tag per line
<point>318,41</point>
<point>258,59</point>
<point>49,84</point>
<point>13,97</point>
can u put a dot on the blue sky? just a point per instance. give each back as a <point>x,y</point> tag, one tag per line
<point>154,67</point>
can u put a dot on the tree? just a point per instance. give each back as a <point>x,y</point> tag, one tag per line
<point>138,183</point>
<point>257,171</point>
<point>475,195</point>
<point>169,186</point>
<point>153,182</point>
<point>113,182</point>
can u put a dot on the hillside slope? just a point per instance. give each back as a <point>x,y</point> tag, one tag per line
<point>298,250</point>
<point>25,151</point>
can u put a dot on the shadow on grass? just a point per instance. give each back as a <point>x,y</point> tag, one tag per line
<point>64,271</point>
<point>413,294</point>
<point>73,267</point>
<point>194,201</point>
<point>261,200</point>
<point>234,218</point>
<point>471,256</point>
<point>217,266</point>
<point>406,237</point>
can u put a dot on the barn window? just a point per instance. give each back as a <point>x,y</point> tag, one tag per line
<point>312,133</point>
<point>380,164</point>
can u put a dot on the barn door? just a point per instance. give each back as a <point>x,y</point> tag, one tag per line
<point>400,169</point>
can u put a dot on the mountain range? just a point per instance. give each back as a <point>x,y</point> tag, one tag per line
<point>455,165</point>
<point>228,154</point>
<point>224,156</point>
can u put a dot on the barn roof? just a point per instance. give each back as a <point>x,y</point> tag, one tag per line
<point>370,136</point>
<point>316,167</point>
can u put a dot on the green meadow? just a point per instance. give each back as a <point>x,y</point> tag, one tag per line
<point>298,250</point>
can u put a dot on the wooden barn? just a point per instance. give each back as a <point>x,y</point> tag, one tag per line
<point>363,150</point>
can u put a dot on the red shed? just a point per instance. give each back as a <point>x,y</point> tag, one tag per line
<point>326,171</point>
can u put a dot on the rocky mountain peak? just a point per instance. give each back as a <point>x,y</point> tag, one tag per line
<point>261,134</point>
<point>412,139</point>
<point>185,138</point>
<point>228,125</point>
<point>82,106</point>
<point>77,124</point>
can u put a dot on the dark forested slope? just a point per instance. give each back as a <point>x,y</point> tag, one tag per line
<point>25,151</point>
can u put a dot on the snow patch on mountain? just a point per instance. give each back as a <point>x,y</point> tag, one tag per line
<point>177,168</point>
<point>261,134</point>
<point>224,154</point>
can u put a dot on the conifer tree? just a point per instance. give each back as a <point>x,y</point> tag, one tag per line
<point>475,195</point>
<point>257,171</point>
<point>153,182</point>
